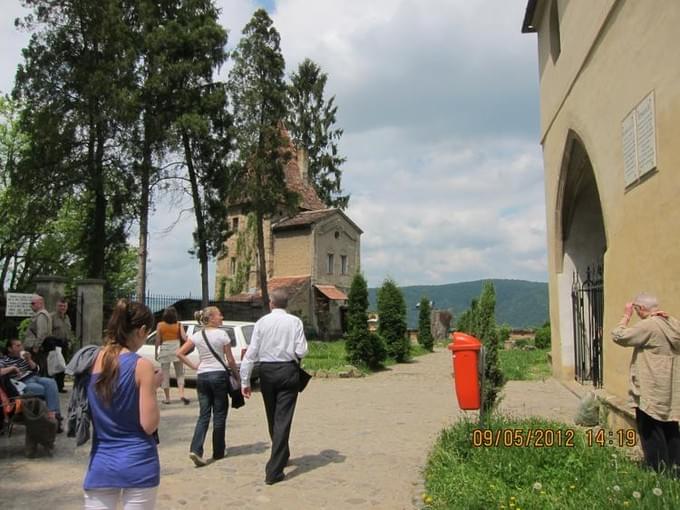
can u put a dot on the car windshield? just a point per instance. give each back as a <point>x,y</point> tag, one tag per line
<point>247,333</point>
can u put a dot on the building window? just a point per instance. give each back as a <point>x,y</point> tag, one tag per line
<point>234,224</point>
<point>555,42</point>
<point>329,263</point>
<point>233,265</point>
<point>343,264</point>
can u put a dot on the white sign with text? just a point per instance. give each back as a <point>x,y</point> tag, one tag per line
<point>18,305</point>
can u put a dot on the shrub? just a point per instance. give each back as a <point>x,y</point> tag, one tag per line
<point>424,328</point>
<point>542,338</point>
<point>485,329</point>
<point>392,320</point>
<point>362,346</point>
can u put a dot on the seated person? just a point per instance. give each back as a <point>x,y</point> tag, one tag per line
<point>26,371</point>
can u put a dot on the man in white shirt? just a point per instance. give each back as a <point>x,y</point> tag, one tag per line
<point>278,343</point>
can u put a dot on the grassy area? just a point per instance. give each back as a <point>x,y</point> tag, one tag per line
<point>325,355</point>
<point>331,355</point>
<point>460,475</point>
<point>519,365</point>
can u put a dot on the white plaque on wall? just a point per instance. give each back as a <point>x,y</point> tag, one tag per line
<point>630,171</point>
<point>638,134</point>
<point>18,305</point>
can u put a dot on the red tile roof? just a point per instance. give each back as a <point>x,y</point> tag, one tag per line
<point>291,283</point>
<point>331,292</point>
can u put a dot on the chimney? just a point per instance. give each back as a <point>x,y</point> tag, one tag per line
<point>303,164</point>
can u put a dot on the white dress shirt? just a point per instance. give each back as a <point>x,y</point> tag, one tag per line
<point>278,336</point>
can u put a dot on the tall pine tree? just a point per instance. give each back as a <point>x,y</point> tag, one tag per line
<point>258,98</point>
<point>74,83</point>
<point>311,122</point>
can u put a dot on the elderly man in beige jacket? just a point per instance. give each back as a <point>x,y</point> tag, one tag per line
<point>654,379</point>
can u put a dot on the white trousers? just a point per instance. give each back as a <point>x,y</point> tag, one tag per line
<point>132,499</point>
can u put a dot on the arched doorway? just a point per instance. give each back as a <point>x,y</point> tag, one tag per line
<point>581,240</point>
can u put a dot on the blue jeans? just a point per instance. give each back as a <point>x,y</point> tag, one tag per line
<point>212,397</point>
<point>44,387</point>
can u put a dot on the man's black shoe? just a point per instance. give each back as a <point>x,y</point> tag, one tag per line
<point>276,479</point>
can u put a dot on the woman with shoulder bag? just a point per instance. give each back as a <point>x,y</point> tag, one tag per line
<point>211,381</point>
<point>169,336</point>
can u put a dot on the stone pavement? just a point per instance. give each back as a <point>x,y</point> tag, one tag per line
<point>356,444</point>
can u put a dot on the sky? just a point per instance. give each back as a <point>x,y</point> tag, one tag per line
<point>438,101</point>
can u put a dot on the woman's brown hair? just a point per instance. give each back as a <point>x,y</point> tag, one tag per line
<point>125,319</point>
<point>170,315</point>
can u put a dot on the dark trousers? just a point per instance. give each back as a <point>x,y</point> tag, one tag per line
<point>660,442</point>
<point>279,384</point>
<point>59,379</point>
<point>212,398</point>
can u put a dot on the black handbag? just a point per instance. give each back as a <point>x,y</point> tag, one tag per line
<point>234,391</point>
<point>304,378</point>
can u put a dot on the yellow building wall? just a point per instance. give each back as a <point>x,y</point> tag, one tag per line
<point>614,53</point>
<point>293,251</point>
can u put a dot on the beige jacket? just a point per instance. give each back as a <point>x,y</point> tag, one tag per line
<point>655,366</point>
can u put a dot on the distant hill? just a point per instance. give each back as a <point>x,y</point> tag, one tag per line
<point>519,303</point>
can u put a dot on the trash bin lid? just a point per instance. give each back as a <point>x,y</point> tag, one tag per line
<point>464,342</point>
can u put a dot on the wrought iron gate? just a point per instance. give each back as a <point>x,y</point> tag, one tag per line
<point>588,307</point>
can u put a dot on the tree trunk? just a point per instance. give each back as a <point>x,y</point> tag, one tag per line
<point>200,221</point>
<point>99,229</point>
<point>262,259</point>
<point>145,200</point>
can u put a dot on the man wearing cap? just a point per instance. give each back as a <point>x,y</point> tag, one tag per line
<point>654,379</point>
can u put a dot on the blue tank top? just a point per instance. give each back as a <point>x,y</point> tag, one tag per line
<point>123,455</point>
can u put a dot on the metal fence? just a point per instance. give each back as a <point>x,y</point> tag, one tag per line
<point>588,314</point>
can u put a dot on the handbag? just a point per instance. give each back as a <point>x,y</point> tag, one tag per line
<point>56,363</point>
<point>304,378</point>
<point>233,386</point>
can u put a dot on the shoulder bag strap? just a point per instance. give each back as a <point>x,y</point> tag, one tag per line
<point>218,358</point>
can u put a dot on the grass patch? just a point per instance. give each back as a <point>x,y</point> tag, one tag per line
<point>519,365</point>
<point>330,356</point>
<point>459,475</point>
<point>325,355</point>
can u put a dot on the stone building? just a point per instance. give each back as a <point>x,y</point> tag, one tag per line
<point>313,255</point>
<point>610,122</point>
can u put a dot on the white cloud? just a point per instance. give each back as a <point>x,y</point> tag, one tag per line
<point>439,103</point>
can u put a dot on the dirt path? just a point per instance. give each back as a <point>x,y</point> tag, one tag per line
<point>356,443</point>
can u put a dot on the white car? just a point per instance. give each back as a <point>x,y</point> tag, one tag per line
<point>239,333</point>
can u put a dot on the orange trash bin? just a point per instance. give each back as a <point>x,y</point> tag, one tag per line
<point>465,353</point>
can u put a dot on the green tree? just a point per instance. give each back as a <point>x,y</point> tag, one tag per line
<point>311,122</point>
<point>542,337</point>
<point>486,331</point>
<point>392,320</point>
<point>180,45</point>
<point>504,334</point>
<point>363,346</point>
<point>424,324</point>
<point>258,99</point>
<point>466,321</point>
<point>206,140</point>
<point>73,85</point>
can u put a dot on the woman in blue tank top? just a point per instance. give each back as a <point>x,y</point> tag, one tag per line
<point>124,466</point>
